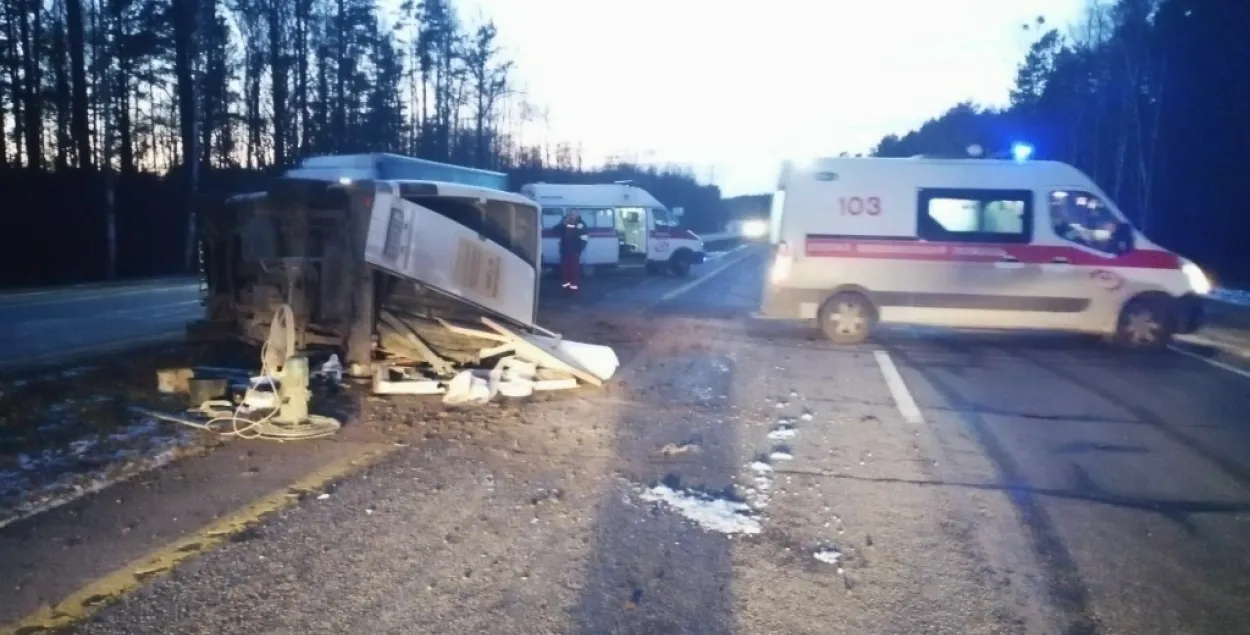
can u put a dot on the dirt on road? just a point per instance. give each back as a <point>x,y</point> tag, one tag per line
<point>734,477</point>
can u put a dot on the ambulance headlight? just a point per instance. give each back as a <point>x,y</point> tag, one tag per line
<point>754,229</point>
<point>1198,281</point>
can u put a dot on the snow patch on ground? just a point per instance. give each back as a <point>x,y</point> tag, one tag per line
<point>760,467</point>
<point>36,481</point>
<point>709,512</point>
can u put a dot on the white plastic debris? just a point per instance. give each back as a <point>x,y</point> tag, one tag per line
<point>601,361</point>
<point>332,369</point>
<point>260,400</point>
<point>782,433</point>
<point>565,383</point>
<point>780,456</point>
<point>710,513</point>
<point>760,467</point>
<point>806,416</point>
<point>828,556</point>
<point>468,388</point>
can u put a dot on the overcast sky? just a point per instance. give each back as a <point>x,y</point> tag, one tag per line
<point>732,87</point>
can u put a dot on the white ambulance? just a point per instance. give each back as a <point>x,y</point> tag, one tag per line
<point>969,243</point>
<point>625,225</point>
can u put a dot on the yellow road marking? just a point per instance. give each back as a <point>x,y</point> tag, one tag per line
<point>110,588</point>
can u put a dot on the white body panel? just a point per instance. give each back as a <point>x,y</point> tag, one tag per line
<point>418,243</point>
<point>899,229</point>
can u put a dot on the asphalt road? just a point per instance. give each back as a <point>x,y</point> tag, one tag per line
<point>1042,484</point>
<point>53,326</point>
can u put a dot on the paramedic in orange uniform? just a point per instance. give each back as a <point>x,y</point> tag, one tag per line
<point>573,240</point>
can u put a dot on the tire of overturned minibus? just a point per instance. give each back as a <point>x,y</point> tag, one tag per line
<point>847,317</point>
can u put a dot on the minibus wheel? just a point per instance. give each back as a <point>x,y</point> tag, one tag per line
<point>847,317</point>
<point>1144,324</point>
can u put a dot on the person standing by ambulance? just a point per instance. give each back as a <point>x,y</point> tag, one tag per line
<point>573,241</point>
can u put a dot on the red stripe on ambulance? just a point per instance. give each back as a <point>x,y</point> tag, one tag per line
<point>977,252</point>
<point>680,234</point>
<point>590,231</point>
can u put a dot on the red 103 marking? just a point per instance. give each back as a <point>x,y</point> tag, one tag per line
<point>854,205</point>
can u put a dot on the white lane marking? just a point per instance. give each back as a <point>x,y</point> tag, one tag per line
<point>40,298</point>
<point>700,280</point>
<point>1214,362</point>
<point>898,389</point>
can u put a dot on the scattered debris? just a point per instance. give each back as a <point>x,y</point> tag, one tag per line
<point>709,512</point>
<point>806,416</point>
<point>323,496</point>
<point>760,467</point>
<point>828,555</point>
<point>779,455</point>
<point>673,449</point>
<point>331,370</point>
<point>782,432</point>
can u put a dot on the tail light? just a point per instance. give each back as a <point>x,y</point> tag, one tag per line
<point>782,262</point>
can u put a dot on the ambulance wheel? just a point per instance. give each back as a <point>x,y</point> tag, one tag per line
<point>1145,324</point>
<point>847,317</point>
<point>680,264</point>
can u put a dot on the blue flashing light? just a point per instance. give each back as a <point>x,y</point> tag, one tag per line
<point>1021,151</point>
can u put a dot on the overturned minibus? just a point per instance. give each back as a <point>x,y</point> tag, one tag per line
<point>383,257</point>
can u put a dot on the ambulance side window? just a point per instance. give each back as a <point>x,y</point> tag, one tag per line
<point>1082,218</point>
<point>604,219</point>
<point>967,215</point>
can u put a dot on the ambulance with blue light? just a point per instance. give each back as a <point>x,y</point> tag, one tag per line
<point>969,243</point>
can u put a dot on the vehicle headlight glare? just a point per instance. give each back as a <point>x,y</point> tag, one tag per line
<point>1198,281</point>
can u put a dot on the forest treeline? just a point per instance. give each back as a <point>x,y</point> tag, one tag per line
<point>1148,97</point>
<point>120,118</point>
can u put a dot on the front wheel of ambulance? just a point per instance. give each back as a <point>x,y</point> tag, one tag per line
<point>680,264</point>
<point>1145,324</point>
<point>847,318</point>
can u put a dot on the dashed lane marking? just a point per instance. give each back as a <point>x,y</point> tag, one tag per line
<point>726,263</point>
<point>1214,362</point>
<point>898,389</point>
